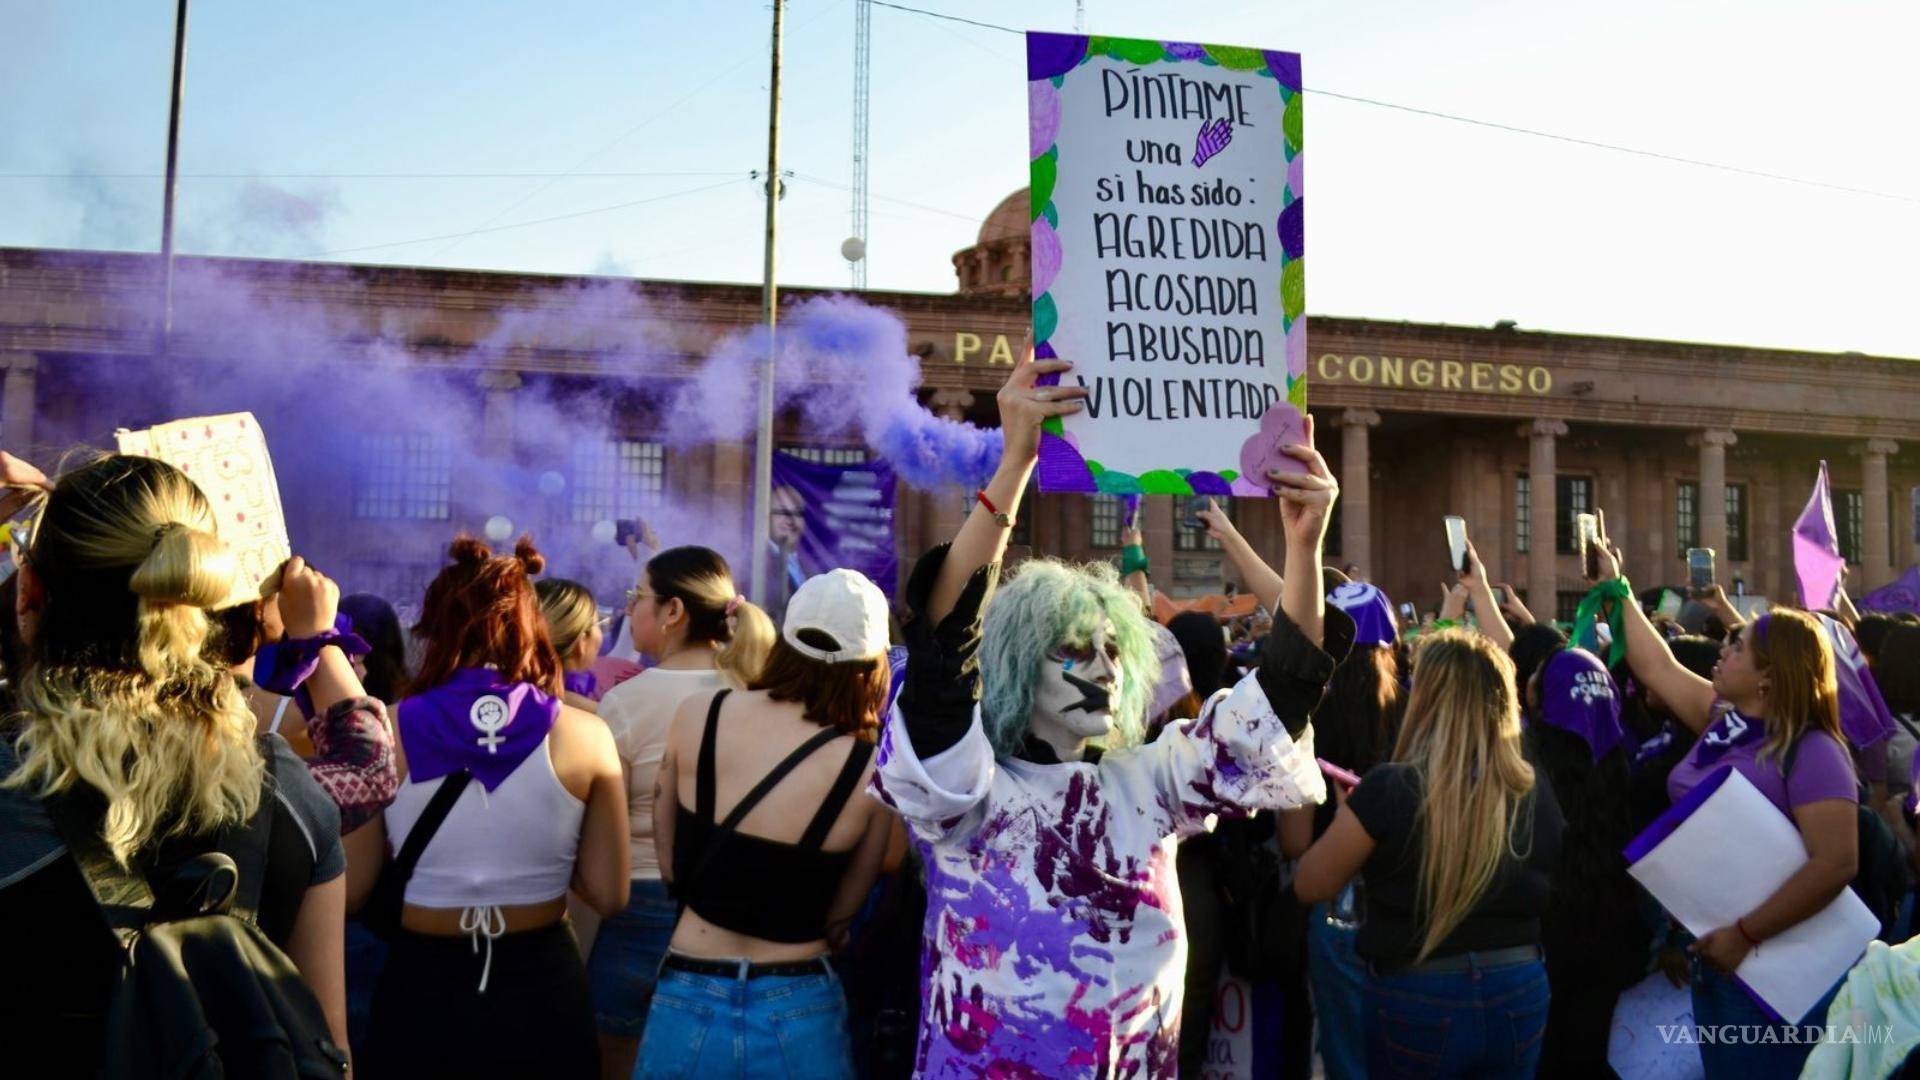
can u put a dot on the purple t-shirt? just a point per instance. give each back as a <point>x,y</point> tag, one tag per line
<point>1823,769</point>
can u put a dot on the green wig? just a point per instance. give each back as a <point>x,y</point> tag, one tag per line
<point>1047,604</point>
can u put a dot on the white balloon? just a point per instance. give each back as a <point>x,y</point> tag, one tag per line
<point>604,531</point>
<point>552,483</point>
<point>853,249</point>
<point>498,528</point>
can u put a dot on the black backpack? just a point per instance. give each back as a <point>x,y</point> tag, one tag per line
<point>200,991</point>
<point>1882,878</point>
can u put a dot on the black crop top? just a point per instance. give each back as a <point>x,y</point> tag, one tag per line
<point>763,888</point>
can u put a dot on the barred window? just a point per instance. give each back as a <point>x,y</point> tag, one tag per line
<point>1849,521</point>
<point>1686,516</point>
<point>404,476</point>
<point>1736,522</point>
<point>828,455</point>
<point>1522,513</point>
<point>616,478</point>
<point>1185,539</point>
<point>1105,515</point>
<point>1576,497</point>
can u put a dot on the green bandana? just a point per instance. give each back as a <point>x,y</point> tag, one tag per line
<point>1133,558</point>
<point>1584,635</point>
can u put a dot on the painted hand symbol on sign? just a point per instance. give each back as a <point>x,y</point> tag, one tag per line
<point>1212,139</point>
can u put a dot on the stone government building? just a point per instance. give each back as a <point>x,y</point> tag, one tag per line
<point>1681,444</point>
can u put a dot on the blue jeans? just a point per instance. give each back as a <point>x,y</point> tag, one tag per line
<point>1337,974</point>
<point>1721,1003</point>
<point>626,958</point>
<point>732,1027</point>
<point>366,954</point>
<point>1484,1022</point>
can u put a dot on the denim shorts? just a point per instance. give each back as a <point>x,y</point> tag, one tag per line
<point>722,1027</point>
<point>626,959</point>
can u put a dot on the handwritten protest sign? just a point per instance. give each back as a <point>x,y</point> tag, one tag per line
<point>1168,239</point>
<point>227,457</point>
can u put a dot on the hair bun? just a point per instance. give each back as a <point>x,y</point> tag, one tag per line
<point>529,556</point>
<point>185,566</point>
<point>468,550</point>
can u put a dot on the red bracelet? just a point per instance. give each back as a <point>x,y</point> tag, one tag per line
<point>1740,924</point>
<point>1002,519</point>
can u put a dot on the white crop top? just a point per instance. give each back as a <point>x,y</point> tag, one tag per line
<point>513,845</point>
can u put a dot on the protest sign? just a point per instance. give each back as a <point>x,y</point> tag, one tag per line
<point>849,516</point>
<point>1244,1041</point>
<point>226,456</point>
<point>1167,245</point>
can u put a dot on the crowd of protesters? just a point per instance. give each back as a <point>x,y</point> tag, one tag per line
<point>484,848</point>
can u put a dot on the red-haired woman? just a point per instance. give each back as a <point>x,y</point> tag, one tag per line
<point>485,978</point>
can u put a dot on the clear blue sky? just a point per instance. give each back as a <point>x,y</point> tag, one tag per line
<point>1410,217</point>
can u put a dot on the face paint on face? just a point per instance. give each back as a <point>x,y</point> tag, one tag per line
<point>1074,699</point>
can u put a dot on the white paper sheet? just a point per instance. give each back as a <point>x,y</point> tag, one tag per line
<point>1652,1035</point>
<point>1728,856</point>
<point>227,457</point>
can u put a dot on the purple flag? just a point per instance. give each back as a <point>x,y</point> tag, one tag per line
<point>1864,715</point>
<point>1816,548</point>
<point>1902,595</point>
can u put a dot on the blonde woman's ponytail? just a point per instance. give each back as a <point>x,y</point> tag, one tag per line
<point>124,695</point>
<point>188,571</point>
<point>745,653</point>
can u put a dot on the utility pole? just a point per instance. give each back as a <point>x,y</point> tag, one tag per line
<point>173,167</point>
<point>855,248</point>
<point>769,298</point>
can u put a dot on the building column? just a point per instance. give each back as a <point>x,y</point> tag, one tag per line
<point>1543,580</point>
<point>1713,444</point>
<point>947,507</point>
<point>18,402</point>
<point>1356,488</point>
<point>496,416</point>
<point>1874,548</point>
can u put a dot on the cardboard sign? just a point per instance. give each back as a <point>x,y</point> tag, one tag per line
<point>1168,233</point>
<point>226,456</point>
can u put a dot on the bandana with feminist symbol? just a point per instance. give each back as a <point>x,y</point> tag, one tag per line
<point>477,722</point>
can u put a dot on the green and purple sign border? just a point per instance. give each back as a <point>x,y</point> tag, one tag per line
<point>1050,60</point>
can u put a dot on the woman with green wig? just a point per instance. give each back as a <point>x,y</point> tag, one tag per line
<point>1055,941</point>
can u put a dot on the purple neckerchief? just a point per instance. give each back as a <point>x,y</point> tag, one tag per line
<point>1864,715</point>
<point>1577,695</point>
<point>282,667</point>
<point>897,665</point>
<point>582,683</point>
<point>1725,733</point>
<point>474,721</point>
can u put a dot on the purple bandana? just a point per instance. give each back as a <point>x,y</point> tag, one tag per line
<point>474,721</point>
<point>1863,712</point>
<point>1370,610</point>
<point>1725,733</point>
<point>583,683</point>
<point>1577,695</point>
<point>281,666</point>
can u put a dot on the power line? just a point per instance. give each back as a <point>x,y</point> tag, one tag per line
<point>627,134</point>
<point>1637,152</point>
<point>1514,129</point>
<point>949,18</point>
<point>361,176</point>
<point>525,224</point>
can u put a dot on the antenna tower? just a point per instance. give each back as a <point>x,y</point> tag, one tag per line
<point>856,246</point>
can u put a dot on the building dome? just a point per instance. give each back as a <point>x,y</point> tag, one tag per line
<point>998,263</point>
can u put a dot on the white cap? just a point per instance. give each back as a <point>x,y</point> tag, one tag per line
<point>845,606</point>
